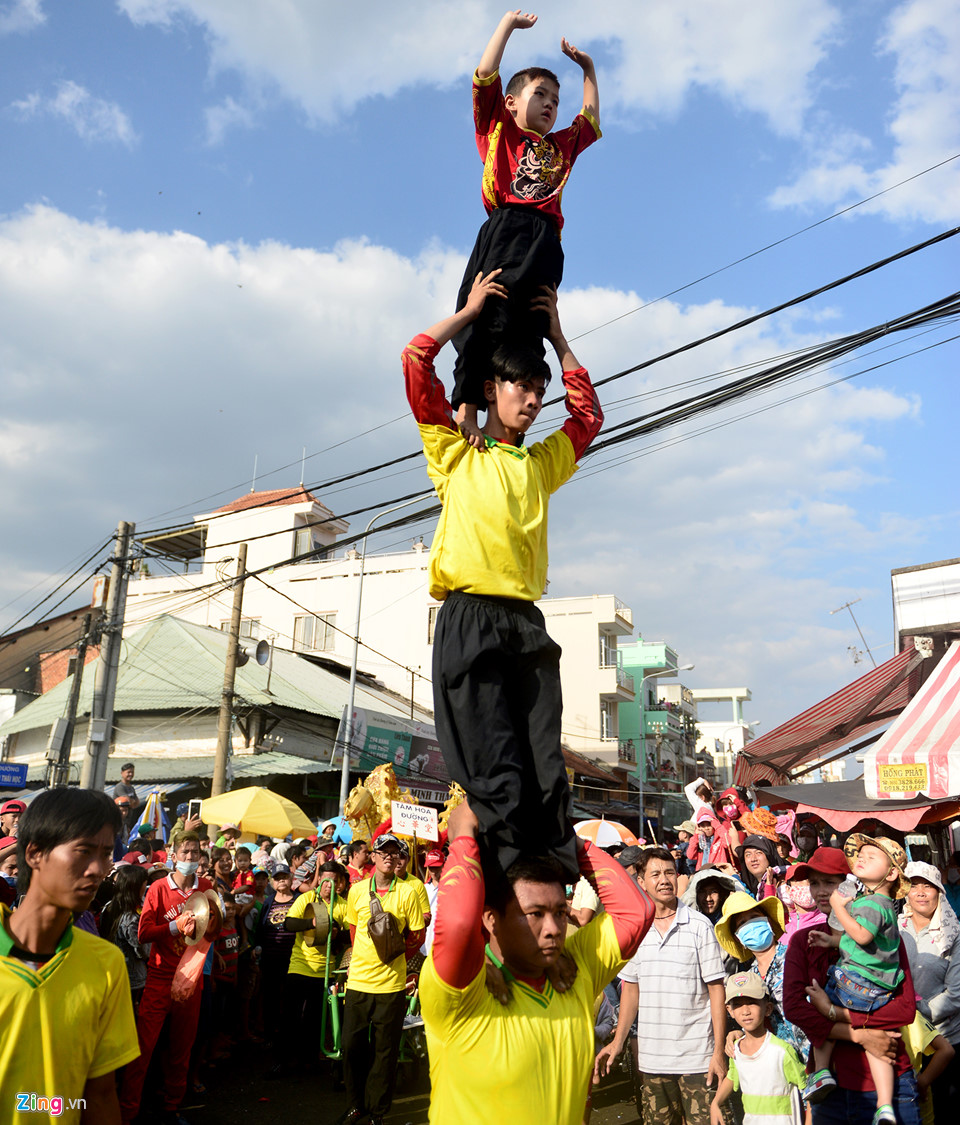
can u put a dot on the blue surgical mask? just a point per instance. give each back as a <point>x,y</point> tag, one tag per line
<point>187,866</point>
<point>756,935</point>
<point>10,880</point>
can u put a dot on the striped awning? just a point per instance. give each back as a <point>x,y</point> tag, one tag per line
<point>920,753</point>
<point>834,722</point>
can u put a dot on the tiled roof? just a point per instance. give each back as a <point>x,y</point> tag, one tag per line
<point>270,499</point>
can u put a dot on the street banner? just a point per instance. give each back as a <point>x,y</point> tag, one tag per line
<point>414,820</point>
<point>13,775</point>
<point>408,745</point>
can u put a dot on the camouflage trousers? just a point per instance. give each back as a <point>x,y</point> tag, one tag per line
<point>675,1099</point>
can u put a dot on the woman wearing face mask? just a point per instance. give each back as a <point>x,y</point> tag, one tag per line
<point>750,931</point>
<point>930,934</point>
<point>797,898</point>
<point>730,807</point>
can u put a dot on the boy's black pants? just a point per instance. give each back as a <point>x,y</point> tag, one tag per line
<point>525,245</point>
<point>497,706</point>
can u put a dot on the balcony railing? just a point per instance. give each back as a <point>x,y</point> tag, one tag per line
<point>623,611</point>
<point>624,679</point>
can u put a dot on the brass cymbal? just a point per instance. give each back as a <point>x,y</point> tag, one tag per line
<point>200,905</point>
<point>321,923</point>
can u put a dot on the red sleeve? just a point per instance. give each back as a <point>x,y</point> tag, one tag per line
<point>693,848</point>
<point>488,106</point>
<point>457,937</point>
<point>424,390</point>
<point>628,906</point>
<point>583,406</point>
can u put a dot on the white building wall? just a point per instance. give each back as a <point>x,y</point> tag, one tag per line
<point>396,614</point>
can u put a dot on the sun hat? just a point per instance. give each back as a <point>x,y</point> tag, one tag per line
<point>740,903</point>
<point>749,985</point>
<point>914,870</point>
<point>894,852</point>
<point>825,861</point>
<point>760,822</point>
<point>687,826</point>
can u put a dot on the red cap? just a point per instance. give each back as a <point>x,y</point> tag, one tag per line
<point>825,861</point>
<point>134,857</point>
<point>433,859</point>
<point>16,805</point>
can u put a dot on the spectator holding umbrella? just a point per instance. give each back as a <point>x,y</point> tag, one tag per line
<point>930,933</point>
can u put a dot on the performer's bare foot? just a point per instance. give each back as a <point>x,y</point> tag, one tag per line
<point>467,421</point>
<point>562,973</point>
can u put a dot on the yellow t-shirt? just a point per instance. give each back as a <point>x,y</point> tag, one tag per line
<point>492,534</point>
<point>367,972</point>
<point>61,1025</point>
<point>311,960</point>
<point>531,1061</point>
<point>918,1039</point>
<point>420,887</point>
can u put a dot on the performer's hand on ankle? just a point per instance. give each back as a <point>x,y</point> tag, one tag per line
<point>462,822</point>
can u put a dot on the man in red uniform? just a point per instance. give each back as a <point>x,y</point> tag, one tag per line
<point>165,924</point>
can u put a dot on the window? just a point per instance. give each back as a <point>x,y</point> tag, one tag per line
<point>314,634</point>
<point>432,612</point>
<point>608,720</point>
<point>305,541</point>
<point>249,627</point>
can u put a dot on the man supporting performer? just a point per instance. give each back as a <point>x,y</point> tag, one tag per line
<point>530,1060</point>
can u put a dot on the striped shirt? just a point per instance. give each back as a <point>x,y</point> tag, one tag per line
<point>879,961</point>
<point>768,1081</point>
<point>674,1026</point>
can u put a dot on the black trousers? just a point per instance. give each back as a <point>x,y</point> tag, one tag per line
<point>372,1026</point>
<point>497,707</point>
<point>525,245</point>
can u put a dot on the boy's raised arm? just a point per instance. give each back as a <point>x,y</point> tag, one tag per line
<point>591,92</point>
<point>493,52</point>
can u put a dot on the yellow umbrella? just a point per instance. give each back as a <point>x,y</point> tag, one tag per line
<point>257,811</point>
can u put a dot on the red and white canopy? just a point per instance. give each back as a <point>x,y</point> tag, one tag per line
<point>920,752</point>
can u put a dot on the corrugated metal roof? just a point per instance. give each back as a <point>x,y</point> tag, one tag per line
<point>171,664</point>
<point>159,770</point>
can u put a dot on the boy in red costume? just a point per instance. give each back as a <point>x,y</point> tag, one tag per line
<point>525,169</point>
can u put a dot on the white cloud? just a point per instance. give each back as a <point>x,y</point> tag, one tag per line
<point>229,114</point>
<point>143,371</point>
<point>759,57</point>
<point>21,15</point>
<point>90,117</point>
<point>923,39</point>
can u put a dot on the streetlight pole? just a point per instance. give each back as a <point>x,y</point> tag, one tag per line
<point>349,725</point>
<point>641,772</point>
<point>743,727</point>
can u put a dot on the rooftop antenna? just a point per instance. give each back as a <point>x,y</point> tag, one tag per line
<point>846,606</point>
<point>253,487</point>
<point>303,458</point>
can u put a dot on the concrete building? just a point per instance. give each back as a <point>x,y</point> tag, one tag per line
<point>309,606</point>
<point>722,739</point>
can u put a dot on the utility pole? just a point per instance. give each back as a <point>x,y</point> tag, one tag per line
<point>229,678</point>
<point>58,772</point>
<point>100,731</point>
<point>846,606</point>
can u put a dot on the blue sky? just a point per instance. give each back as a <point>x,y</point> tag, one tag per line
<point>220,220</point>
